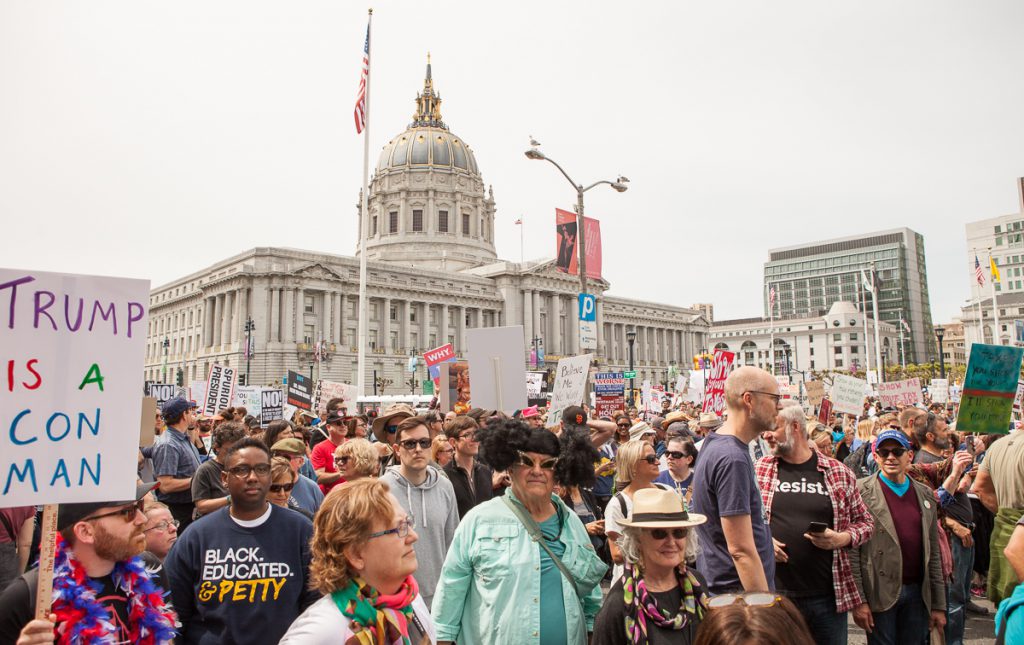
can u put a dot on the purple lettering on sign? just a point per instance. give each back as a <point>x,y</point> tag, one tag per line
<point>13,284</point>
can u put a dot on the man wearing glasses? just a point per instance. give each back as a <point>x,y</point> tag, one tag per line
<point>97,541</point>
<point>736,545</point>
<point>176,459</point>
<point>241,574</point>
<point>473,482</point>
<point>427,497</point>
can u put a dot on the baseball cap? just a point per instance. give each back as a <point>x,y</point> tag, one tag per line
<point>574,415</point>
<point>893,435</point>
<point>176,406</point>
<point>70,514</point>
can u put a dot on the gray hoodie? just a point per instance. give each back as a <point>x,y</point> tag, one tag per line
<point>435,515</point>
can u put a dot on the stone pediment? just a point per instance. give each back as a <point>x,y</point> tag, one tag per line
<point>317,271</point>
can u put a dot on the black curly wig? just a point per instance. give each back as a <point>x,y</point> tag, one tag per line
<point>503,439</point>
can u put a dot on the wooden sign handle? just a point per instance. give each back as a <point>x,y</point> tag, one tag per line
<point>47,548</point>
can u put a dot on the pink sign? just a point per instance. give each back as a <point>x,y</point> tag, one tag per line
<point>567,256</point>
<point>907,392</point>
<point>439,355</point>
<point>714,390</point>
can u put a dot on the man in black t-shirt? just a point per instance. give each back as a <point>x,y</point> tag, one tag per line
<point>804,490</point>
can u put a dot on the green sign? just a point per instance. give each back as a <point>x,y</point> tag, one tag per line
<point>990,385</point>
<point>629,374</point>
<point>428,386</point>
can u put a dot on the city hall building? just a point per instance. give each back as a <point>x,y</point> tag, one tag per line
<point>432,274</point>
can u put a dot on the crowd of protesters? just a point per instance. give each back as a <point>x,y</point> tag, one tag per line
<point>760,525</point>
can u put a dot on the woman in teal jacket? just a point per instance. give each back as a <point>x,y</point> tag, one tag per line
<point>499,585</point>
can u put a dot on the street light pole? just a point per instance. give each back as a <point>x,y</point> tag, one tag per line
<point>631,338</point>
<point>166,345</point>
<point>939,333</point>
<point>250,326</point>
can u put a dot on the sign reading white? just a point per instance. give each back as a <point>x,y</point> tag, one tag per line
<point>72,348</point>
<point>220,389</point>
<point>939,390</point>
<point>570,385</point>
<point>848,394</point>
<point>906,392</point>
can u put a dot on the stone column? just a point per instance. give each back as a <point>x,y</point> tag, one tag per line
<point>405,309</point>
<point>230,302</point>
<point>528,317</point>
<point>326,317</point>
<point>602,349</point>
<point>288,316</point>
<point>572,324</point>
<point>339,317</point>
<point>555,323</point>
<point>460,326</point>
<point>442,324</point>
<point>275,315</point>
<point>300,316</point>
<point>385,326</point>
<point>208,307</point>
<point>424,327</point>
<point>218,320</point>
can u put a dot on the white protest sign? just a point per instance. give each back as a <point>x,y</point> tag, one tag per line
<point>848,394</point>
<point>327,390</point>
<point>496,367</point>
<point>72,348</point>
<point>534,384</point>
<point>220,389</point>
<point>197,392</point>
<point>939,390</point>
<point>570,385</point>
<point>1019,397</point>
<point>162,392</point>
<point>906,392</point>
<point>248,396</point>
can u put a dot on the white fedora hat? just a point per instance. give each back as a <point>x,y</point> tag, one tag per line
<point>657,508</point>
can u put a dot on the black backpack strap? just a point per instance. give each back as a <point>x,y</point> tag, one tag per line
<point>622,505</point>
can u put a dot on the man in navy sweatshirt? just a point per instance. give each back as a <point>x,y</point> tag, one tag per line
<point>240,575</point>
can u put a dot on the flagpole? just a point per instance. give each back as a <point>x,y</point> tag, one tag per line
<point>522,225</point>
<point>997,336</point>
<point>864,312</point>
<point>874,310</point>
<point>364,225</point>
<point>903,354</point>
<point>771,325</point>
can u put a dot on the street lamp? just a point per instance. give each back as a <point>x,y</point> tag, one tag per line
<point>939,333</point>
<point>619,185</point>
<point>631,338</point>
<point>166,345</point>
<point>250,327</point>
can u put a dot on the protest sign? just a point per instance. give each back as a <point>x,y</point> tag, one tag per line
<point>939,390</point>
<point>327,390</point>
<point>815,392</point>
<point>714,389</point>
<point>441,354</point>
<point>271,405</point>
<point>73,349</point>
<point>162,392</point>
<point>906,392</point>
<point>848,394</point>
<point>300,391</point>
<point>1019,397</point>
<point>990,386</point>
<point>496,362</point>
<point>570,385</point>
<point>250,398</point>
<point>197,392</point>
<point>824,411</point>
<point>534,385</point>
<point>609,384</point>
<point>147,425</point>
<point>606,406</point>
<point>220,389</point>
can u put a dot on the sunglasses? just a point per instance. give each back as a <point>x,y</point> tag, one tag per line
<point>341,461</point>
<point>410,444</point>
<point>758,599</point>
<point>651,459</point>
<point>163,526</point>
<point>675,454</point>
<point>241,472</point>
<point>661,534</point>
<point>895,452</point>
<point>623,426</point>
<point>546,464</point>
<point>127,513</point>
<point>282,488</point>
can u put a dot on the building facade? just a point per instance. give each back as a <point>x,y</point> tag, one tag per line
<point>433,273</point>
<point>810,278</point>
<point>954,344</point>
<point>1002,239</point>
<point>833,342</point>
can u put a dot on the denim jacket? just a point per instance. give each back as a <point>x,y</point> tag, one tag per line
<point>489,591</point>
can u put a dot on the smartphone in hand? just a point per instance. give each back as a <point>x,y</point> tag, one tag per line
<point>816,527</point>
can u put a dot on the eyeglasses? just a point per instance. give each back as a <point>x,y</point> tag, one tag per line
<point>758,599</point>
<point>410,444</point>
<point>651,459</point>
<point>402,530</point>
<point>163,526</point>
<point>127,513</point>
<point>468,436</point>
<point>777,397</point>
<point>661,534</point>
<point>282,488</point>
<point>546,464</point>
<point>341,461</point>
<point>241,472</point>
<point>675,454</point>
<point>895,452</point>
<point>446,450</point>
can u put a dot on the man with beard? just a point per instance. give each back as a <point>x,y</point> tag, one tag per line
<point>241,574</point>
<point>102,589</point>
<point>736,546</point>
<point>804,490</point>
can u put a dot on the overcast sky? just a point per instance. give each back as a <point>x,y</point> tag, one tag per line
<point>152,139</point>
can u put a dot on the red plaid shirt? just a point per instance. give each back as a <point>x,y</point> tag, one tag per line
<point>849,513</point>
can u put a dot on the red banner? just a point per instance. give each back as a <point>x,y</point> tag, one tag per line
<point>609,405</point>
<point>439,355</point>
<point>567,257</point>
<point>824,411</point>
<point>714,389</point>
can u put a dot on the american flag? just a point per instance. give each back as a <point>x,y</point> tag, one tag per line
<point>361,97</point>
<point>905,326</point>
<point>518,222</point>
<point>771,298</point>
<point>979,275</point>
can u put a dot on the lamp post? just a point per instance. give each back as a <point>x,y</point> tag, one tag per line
<point>619,184</point>
<point>939,333</point>
<point>631,339</point>
<point>166,346</point>
<point>250,327</point>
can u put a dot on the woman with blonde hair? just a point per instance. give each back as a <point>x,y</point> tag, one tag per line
<point>356,459</point>
<point>362,561</point>
<point>441,450</point>
<point>282,481</point>
<point>636,468</point>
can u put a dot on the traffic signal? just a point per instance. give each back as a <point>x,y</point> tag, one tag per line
<point>181,377</point>
<point>241,379</point>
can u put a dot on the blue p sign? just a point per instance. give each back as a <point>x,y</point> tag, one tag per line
<point>588,308</point>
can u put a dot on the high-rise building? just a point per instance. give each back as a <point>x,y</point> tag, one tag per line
<point>809,278</point>
<point>1001,238</point>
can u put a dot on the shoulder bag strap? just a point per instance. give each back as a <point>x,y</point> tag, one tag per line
<point>535,535</point>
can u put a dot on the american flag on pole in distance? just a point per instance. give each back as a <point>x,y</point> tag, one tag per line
<point>979,275</point>
<point>905,326</point>
<point>518,222</point>
<point>360,113</point>
<point>771,297</point>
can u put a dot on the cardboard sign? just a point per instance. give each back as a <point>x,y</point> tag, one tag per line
<point>147,425</point>
<point>815,392</point>
<point>300,391</point>
<point>72,349</point>
<point>907,392</point>
<point>848,394</point>
<point>939,390</point>
<point>824,411</point>
<point>990,387</point>
<point>327,390</point>
<point>220,389</point>
<point>441,354</point>
<point>496,362</point>
<point>271,406</point>
<point>570,385</point>
<point>162,392</point>
<point>714,390</point>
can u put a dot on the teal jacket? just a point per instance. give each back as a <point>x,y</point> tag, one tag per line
<point>1010,612</point>
<point>489,591</point>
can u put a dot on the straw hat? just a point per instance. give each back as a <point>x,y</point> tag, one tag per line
<point>710,420</point>
<point>391,416</point>
<point>657,508</point>
<point>639,429</point>
<point>672,417</point>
